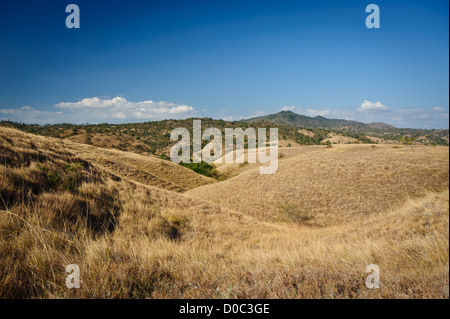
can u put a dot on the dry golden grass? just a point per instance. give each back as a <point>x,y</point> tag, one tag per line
<point>146,169</point>
<point>334,138</point>
<point>123,142</point>
<point>379,140</point>
<point>306,132</point>
<point>228,170</point>
<point>137,241</point>
<point>334,184</point>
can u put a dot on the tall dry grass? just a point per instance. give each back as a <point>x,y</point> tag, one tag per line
<point>333,184</point>
<point>131,240</point>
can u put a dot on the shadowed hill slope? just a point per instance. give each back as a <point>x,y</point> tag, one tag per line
<point>57,208</point>
<point>146,169</point>
<point>131,240</point>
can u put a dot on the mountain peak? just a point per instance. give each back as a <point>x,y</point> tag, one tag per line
<point>290,118</point>
<point>286,112</point>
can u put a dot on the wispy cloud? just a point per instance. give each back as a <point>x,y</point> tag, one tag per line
<point>288,108</point>
<point>368,106</point>
<point>258,113</point>
<point>97,110</point>
<point>28,114</point>
<point>224,114</point>
<point>313,112</point>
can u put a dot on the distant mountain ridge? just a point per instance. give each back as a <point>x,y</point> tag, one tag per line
<point>154,137</point>
<point>375,129</point>
<point>290,118</point>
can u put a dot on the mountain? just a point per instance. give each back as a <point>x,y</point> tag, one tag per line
<point>290,118</point>
<point>375,129</point>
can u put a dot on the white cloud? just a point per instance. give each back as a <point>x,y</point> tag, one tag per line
<point>368,106</point>
<point>313,112</point>
<point>288,108</point>
<point>228,118</point>
<point>97,110</point>
<point>223,114</point>
<point>27,114</point>
<point>258,113</point>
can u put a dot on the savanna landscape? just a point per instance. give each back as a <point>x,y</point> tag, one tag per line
<point>224,158</point>
<point>140,226</point>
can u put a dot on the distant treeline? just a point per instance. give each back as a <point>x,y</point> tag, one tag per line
<point>154,137</point>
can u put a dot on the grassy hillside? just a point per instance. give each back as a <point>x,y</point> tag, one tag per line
<point>57,209</point>
<point>59,206</point>
<point>146,169</point>
<point>333,184</point>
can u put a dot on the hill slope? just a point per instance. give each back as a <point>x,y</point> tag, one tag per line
<point>146,169</point>
<point>57,209</point>
<point>333,184</point>
<point>131,240</point>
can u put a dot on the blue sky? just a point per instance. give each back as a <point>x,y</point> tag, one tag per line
<point>134,61</point>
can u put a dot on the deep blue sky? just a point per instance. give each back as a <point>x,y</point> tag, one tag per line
<point>225,59</point>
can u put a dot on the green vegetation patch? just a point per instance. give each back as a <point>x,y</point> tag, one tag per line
<point>202,168</point>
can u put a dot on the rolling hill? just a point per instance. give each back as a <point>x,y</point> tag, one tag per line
<point>332,184</point>
<point>131,240</point>
<point>308,231</point>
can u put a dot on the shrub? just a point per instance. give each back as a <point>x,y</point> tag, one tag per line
<point>88,137</point>
<point>65,177</point>
<point>407,140</point>
<point>202,168</point>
